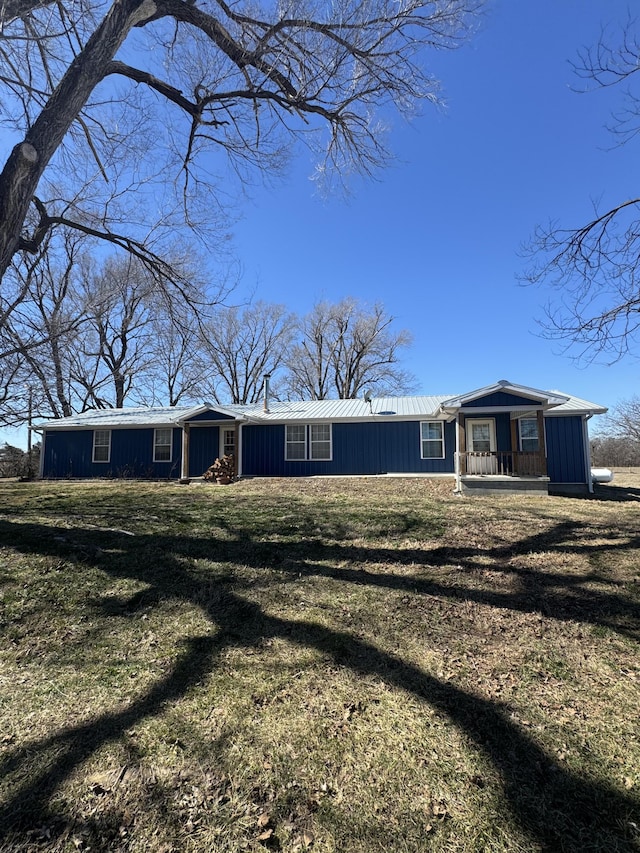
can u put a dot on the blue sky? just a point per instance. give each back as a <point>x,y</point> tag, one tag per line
<point>437,236</point>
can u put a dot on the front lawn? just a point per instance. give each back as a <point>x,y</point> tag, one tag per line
<point>333,665</point>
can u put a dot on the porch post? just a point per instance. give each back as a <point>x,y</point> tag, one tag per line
<point>184,466</point>
<point>460,445</point>
<point>542,443</point>
<point>514,445</point>
<point>236,444</point>
<point>456,460</point>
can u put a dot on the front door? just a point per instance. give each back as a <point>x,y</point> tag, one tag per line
<point>481,439</point>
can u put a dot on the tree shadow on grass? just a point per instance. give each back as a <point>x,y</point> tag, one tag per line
<point>556,808</point>
<point>561,595</point>
<point>614,493</point>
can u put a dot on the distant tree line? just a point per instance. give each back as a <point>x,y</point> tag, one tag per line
<point>104,333</point>
<point>15,462</point>
<point>618,443</point>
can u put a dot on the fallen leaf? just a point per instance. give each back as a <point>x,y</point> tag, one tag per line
<point>439,810</point>
<point>266,835</point>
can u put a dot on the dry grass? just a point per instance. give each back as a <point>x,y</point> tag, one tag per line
<point>327,665</point>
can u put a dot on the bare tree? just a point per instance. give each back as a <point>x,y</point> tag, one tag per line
<point>117,348</point>
<point>623,421</point>
<point>595,267</point>
<point>345,348</point>
<point>14,462</point>
<point>140,95</point>
<point>618,440</point>
<point>242,344</point>
<point>94,336</point>
<point>38,336</point>
<point>177,368</point>
<point>610,451</point>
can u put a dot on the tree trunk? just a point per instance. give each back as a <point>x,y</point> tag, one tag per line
<point>28,160</point>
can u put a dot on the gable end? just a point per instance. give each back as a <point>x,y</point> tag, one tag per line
<point>501,398</point>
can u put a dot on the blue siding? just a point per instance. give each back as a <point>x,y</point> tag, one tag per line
<point>68,454</point>
<point>501,398</point>
<point>503,431</point>
<point>210,416</point>
<point>204,446</point>
<point>358,448</point>
<point>565,449</point>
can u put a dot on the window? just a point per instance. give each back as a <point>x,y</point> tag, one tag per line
<point>162,442</point>
<point>307,442</point>
<point>101,445</point>
<point>296,441</point>
<point>320,441</point>
<point>228,442</point>
<point>432,437</point>
<point>481,436</point>
<point>529,439</point>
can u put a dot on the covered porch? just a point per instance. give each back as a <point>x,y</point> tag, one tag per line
<point>500,440</point>
<point>501,452</point>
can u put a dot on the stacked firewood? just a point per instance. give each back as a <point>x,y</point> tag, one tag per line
<point>222,471</point>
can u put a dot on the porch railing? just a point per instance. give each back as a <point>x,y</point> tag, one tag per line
<point>507,463</point>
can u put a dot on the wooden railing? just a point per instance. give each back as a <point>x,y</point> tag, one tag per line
<point>509,463</point>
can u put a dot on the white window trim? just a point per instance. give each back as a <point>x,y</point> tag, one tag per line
<point>492,432</point>
<point>223,443</point>
<point>156,445</point>
<point>108,446</point>
<point>310,444</point>
<point>520,420</point>
<point>287,443</point>
<point>307,443</point>
<point>422,440</point>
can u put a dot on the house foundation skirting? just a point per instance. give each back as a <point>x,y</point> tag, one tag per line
<point>495,484</point>
<point>568,489</point>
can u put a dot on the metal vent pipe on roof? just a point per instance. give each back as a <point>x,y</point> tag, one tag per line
<point>265,405</point>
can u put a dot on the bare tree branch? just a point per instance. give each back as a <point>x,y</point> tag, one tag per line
<point>346,348</point>
<point>247,81</point>
<point>594,269</point>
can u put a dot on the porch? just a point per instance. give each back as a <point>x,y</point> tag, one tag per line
<point>501,452</point>
<point>503,463</point>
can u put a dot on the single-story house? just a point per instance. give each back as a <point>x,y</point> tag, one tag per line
<point>504,436</point>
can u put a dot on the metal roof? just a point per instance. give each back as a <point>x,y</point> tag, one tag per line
<point>576,406</point>
<point>108,418</point>
<point>331,410</point>
<point>380,408</point>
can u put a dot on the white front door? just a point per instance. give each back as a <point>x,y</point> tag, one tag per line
<point>481,438</point>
